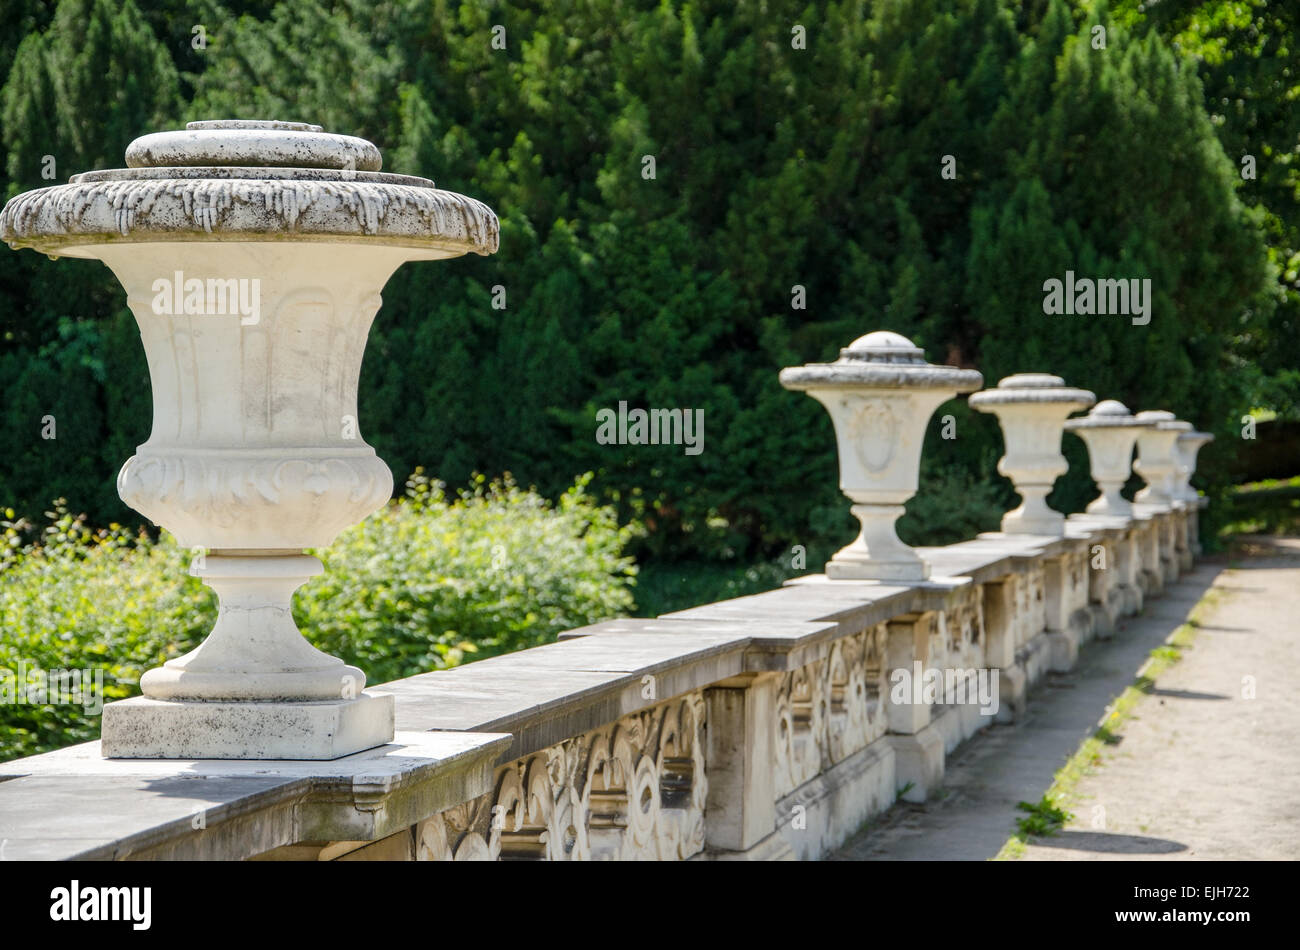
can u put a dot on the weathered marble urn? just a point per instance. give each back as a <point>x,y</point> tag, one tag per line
<point>253,255</point>
<point>1110,431</point>
<point>880,394</point>
<point>1157,461</point>
<point>1031,409</point>
<point>1186,448</point>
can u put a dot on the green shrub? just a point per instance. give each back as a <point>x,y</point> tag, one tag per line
<point>424,584</point>
<point>78,599</point>
<point>428,580</point>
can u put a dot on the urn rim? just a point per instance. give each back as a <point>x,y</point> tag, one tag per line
<point>881,359</point>
<point>248,180</point>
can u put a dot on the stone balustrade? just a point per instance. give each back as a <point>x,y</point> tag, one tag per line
<point>765,727</point>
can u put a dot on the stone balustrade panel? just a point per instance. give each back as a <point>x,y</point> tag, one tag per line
<point>634,790</point>
<point>829,709</point>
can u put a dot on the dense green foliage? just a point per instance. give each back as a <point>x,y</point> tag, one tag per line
<point>83,599</point>
<point>1248,58</point>
<point>415,588</point>
<point>776,166</point>
<point>1267,507</point>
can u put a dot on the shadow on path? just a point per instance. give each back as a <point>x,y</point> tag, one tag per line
<point>1106,843</point>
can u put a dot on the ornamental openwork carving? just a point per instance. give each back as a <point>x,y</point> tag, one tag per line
<point>633,790</point>
<point>830,709</point>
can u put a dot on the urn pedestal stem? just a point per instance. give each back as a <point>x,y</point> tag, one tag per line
<point>255,651</point>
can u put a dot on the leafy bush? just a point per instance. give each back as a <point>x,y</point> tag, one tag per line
<point>78,599</point>
<point>1271,506</point>
<point>427,581</point>
<point>424,584</point>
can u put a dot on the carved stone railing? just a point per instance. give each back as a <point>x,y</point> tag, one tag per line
<point>764,727</point>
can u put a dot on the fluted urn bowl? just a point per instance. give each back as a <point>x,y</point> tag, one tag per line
<point>253,255</point>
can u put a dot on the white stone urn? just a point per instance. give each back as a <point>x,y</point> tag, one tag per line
<point>1110,431</point>
<point>1031,409</point>
<point>1156,461</point>
<point>880,394</point>
<point>1185,450</point>
<point>253,255</point>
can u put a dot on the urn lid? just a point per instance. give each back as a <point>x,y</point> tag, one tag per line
<point>1033,388</point>
<point>251,144</point>
<point>248,180</point>
<point>880,360</point>
<point>1108,414</point>
<point>1163,421</point>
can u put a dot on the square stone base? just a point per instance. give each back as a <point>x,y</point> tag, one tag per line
<point>1012,694</point>
<point>1064,650</point>
<point>918,762</point>
<point>143,728</point>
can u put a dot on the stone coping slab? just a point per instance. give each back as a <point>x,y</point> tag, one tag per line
<point>773,646</point>
<point>851,605</point>
<point>780,636</point>
<point>1023,545</point>
<point>1101,522</point>
<point>551,693</point>
<point>934,593</point>
<point>980,562</point>
<point>668,624</point>
<point>75,804</point>
<point>993,554</point>
<point>1096,528</point>
<point>1142,509</point>
<point>836,608</point>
